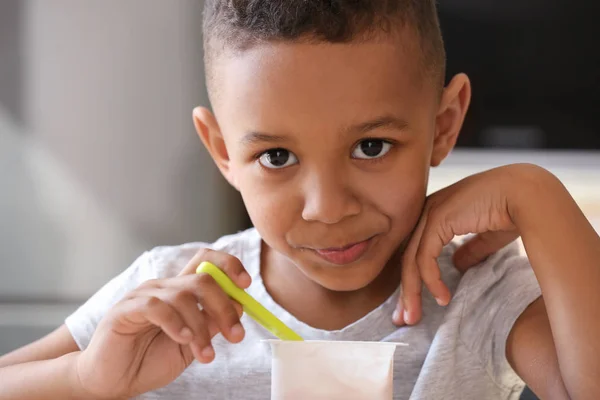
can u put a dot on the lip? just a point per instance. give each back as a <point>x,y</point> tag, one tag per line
<point>344,255</point>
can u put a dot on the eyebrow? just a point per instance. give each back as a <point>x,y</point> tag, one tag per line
<point>260,137</point>
<point>385,121</point>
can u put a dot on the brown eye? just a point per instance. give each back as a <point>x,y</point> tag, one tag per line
<point>371,148</point>
<point>277,158</point>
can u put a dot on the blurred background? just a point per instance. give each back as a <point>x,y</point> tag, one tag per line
<point>99,160</point>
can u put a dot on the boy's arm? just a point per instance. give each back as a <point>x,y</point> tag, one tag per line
<point>47,379</point>
<point>44,369</point>
<point>554,344</point>
<point>531,352</point>
<point>53,345</point>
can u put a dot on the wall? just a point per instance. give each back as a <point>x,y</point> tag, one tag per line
<point>99,160</point>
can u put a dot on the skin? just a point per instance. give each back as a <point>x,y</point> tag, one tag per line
<point>329,198</point>
<point>553,345</point>
<point>339,96</point>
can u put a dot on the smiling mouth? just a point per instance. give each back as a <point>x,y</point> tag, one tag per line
<point>344,255</point>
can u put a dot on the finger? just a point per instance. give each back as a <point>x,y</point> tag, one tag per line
<point>480,247</point>
<point>213,328</point>
<point>202,325</point>
<point>186,304</point>
<point>411,279</point>
<point>398,316</point>
<point>238,309</point>
<point>158,313</point>
<point>202,350</point>
<point>436,235</point>
<point>204,354</point>
<point>220,308</point>
<point>210,296</point>
<point>231,265</point>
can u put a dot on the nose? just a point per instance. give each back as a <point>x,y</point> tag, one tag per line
<point>327,199</point>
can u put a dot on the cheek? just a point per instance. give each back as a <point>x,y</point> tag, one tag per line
<point>403,204</point>
<point>400,194</point>
<point>270,209</point>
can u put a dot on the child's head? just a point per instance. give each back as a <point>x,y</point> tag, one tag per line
<point>327,117</point>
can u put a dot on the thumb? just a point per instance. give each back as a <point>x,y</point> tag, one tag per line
<point>481,247</point>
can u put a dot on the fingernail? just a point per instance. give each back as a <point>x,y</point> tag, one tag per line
<point>406,315</point>
<point>441,302</point>
<point>237,331</point>
<point>208,352</point>
<point>186,333</point>
<point>396,315</point>
<point>244,277</point>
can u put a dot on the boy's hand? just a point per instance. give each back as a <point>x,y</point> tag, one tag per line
<point>147,339</point>
<point>478,204</point>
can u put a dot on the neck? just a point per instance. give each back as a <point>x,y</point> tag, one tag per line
<point>320,307</point>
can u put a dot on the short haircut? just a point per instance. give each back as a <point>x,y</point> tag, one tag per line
<point>240,24</point>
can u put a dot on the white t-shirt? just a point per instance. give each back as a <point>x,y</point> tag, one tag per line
<point>455,352</point>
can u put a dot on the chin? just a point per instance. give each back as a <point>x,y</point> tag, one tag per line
<point>344,287</point>
<point>343,280</point>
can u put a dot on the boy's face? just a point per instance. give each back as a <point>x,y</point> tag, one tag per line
<point>330,147</point>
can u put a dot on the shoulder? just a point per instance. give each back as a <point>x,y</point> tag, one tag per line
<point>503,282</point>
<point>167,261</point>
<point>490,298</point>
<point>508,264</point>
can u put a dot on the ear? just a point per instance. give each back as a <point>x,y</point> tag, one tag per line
<point>210,134</point>
<point>451,115</point>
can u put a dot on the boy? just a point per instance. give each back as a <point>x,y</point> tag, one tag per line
<point>327,117</point>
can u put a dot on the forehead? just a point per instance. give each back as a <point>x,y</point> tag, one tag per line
<point>319,86</point>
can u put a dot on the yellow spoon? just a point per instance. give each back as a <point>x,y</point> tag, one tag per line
<point>251,307</point>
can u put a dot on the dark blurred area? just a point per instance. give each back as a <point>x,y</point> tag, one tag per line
<point>535,71</point>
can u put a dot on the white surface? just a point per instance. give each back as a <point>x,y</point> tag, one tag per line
<point>579,172</point>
